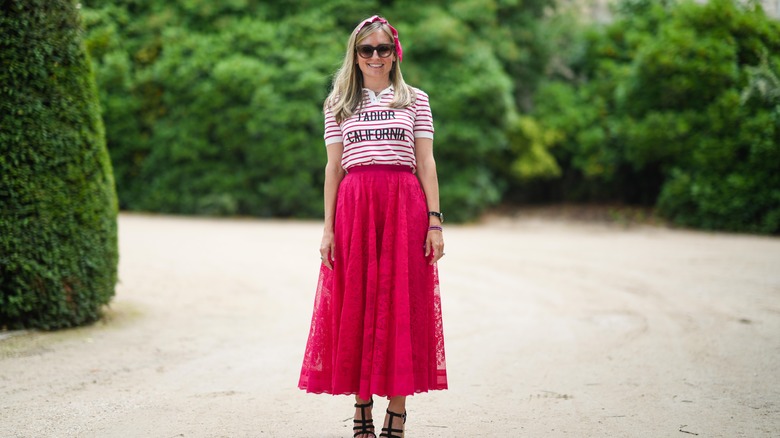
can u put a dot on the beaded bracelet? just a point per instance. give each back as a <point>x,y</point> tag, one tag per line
<point>435,227</point>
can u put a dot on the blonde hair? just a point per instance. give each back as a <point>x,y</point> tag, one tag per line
<point>346,97</point>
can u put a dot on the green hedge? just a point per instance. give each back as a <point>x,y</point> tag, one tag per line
<point>216,107</point>
<point>58,241</point>
<point>674,104</point>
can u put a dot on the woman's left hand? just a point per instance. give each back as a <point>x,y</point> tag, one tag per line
<point>434,243</point>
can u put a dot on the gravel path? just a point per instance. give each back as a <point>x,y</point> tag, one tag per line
<point>553,329</point>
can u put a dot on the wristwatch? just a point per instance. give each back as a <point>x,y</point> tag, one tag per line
<point>438,214</point>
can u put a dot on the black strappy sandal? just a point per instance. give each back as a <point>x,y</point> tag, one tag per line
<point>389,432</point>
<point>363,426</point>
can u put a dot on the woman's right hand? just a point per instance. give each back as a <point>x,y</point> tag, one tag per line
<point>327,248</point>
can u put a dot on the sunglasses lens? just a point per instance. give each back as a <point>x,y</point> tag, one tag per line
<point>383,50</point>
<point>365,51</point>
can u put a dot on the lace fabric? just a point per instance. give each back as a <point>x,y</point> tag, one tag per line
<point>376,327</point>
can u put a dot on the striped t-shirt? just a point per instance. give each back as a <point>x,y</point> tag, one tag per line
<point>379,134</point>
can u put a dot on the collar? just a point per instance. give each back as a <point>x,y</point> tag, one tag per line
<point>377,97</point>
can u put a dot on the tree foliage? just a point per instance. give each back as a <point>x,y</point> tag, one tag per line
<point>674,104</point>
<point>58,243</point>
<point>215,107</point>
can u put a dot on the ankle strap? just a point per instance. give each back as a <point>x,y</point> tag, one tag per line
<point>365,405</point>
<point>393,414</point>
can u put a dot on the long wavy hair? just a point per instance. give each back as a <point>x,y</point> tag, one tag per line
<point>346,97</point>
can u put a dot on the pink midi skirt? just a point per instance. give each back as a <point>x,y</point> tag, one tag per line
<point>377,326</point>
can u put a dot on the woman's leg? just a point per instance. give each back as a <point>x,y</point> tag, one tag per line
<point>397,405</point>
<point>362,415</point>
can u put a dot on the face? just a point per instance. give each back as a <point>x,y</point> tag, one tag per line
<point>376,67</point>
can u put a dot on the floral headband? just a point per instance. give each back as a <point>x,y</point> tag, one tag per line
<point>374,19</point>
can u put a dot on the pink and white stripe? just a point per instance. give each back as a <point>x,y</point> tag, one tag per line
<point>379,134</point>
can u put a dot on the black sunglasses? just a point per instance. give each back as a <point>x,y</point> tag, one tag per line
<point>383,50</point>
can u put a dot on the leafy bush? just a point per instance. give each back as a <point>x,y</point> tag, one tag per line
<point>674,104</point>
<point>216,108</point>
<point>58,242</point>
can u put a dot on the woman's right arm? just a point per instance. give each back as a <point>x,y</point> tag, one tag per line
<point>334,173</point>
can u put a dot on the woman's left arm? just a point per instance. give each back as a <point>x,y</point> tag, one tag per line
<point>426,173</point>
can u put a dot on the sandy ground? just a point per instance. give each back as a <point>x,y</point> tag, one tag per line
<point>552,328</point>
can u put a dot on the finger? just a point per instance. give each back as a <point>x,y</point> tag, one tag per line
<point>438,253</point>
<point>324,258</point>
<point>427,246</point>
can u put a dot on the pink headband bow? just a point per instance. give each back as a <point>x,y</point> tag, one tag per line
<point>375,18</point>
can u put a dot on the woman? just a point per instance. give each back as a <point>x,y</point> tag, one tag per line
<point>376,328</point>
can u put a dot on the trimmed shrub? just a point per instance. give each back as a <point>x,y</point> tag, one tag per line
<point>58,236</point>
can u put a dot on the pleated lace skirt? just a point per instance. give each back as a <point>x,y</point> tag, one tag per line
<point>376,328</point>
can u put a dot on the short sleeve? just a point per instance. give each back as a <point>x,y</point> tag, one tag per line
<point>423,121</point>
<point>332,129</point>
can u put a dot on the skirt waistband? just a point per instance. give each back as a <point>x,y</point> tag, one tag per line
<point>391,167</point>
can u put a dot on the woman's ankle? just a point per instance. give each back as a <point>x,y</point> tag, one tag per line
<point>397,405</point>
